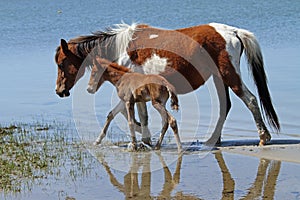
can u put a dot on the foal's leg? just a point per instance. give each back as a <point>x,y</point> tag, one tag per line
<point>119,107</point>
<point>137,125</point>
<point>224,107</point>
<point>143,115</point>
<point>173,123</point>
<point>130,110</point>
<point>164,116</point>
<point>250,100</point>
<point>167,119</point>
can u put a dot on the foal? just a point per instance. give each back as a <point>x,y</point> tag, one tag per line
<point>135,87</point>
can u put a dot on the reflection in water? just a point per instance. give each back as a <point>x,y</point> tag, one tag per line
<point>47,157</point>
<point>131,187</point>
<point>265,180</point>
<point>228,182</point>
<point>262,187</point>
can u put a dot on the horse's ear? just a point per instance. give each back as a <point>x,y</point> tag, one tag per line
<point>64,46</point>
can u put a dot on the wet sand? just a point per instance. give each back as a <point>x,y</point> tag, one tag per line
<point>282,150</point>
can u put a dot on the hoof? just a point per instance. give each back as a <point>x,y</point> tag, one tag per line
<point>265,138</point>
<point>212,142</point>
<point>132,147</point>
<point>157,147</point>
<point>96,143</point>
<point>143,147</point>
<point>147,141</point>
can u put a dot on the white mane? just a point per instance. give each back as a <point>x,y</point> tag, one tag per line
<point>124,34</point>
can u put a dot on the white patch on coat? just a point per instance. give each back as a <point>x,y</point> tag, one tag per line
<point>233,44</point>
<point>125,61</point>
<point>153,36</point>
<point>155,65</point>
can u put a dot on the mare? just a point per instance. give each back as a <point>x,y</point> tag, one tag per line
<point>187,57</point>
<point>136,87</point>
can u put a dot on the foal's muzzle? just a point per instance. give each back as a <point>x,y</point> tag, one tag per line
<point>91,90</point>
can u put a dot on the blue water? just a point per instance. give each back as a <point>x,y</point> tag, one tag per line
<point>31,31</point>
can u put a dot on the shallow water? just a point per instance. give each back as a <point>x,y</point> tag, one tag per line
<point>30,32</point>
<point>50,163</point>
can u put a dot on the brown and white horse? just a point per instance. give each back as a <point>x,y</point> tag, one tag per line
<point>187,57</point>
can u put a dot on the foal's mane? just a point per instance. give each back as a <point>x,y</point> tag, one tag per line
<point>112,65</point>
<point>119,67</point>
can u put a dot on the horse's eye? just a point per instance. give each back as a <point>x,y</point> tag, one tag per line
<point>60,65</point>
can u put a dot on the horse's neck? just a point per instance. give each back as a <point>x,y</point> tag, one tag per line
<point>105,48</point>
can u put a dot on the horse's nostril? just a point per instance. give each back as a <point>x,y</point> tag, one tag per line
<point>66,93</point>
<point>60,94</point>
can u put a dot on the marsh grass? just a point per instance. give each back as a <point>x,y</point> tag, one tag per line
<point>38,154</point>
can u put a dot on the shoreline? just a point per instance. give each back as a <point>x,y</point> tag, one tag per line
<point>280,152</point>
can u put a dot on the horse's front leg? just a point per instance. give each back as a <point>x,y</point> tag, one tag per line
<point>118,108</point>
<point>130,112</point>
<point>143,115</point>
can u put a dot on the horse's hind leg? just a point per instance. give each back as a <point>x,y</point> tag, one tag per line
<point>143,115</point>
<point>119,107</point>
<point>251,102</point>
<point>224,107</point>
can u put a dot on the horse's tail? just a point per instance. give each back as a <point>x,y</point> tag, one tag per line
<point>256,66</point>
<point>173,95</point>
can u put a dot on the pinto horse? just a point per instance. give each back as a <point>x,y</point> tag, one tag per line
<point>187,57</point>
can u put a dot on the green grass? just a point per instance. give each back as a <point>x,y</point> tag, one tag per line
<point>32,154</point>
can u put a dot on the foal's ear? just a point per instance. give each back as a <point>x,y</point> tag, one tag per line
<point>64,46</point>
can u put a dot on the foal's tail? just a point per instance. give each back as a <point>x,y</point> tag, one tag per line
<point>174,98</point>
<point>256,65</point>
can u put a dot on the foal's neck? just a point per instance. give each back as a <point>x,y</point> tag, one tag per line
<point>113,75</point>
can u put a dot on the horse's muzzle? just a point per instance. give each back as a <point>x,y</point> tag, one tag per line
<point>64,93</point>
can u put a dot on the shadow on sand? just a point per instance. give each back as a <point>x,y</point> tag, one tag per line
<point>254,142</point>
